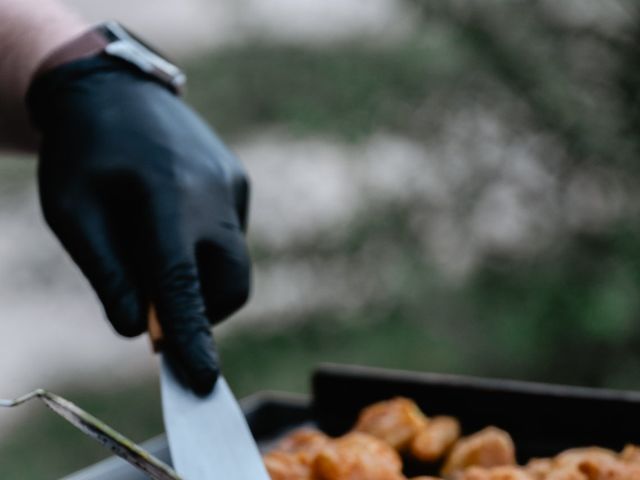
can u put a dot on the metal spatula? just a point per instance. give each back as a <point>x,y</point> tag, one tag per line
<point>100,431</point>
<point>209,438</point>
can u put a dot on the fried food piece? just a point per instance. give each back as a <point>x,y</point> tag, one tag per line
<point>590,463</point>
<point>395,421</point>
<point>505,472</point>
<point>474,473</point>
<point>357,456</point>
<point>598,469</point>
<point>306,442</point>
<point>435,439</point>
<point>630,454</point>
<point>425,477</point>
<point>490,447</point>
<point>287,466</point>
<point>632,472</point>
<point>509,472</point>
<point>539,468</point>
<point>565,473</point>
<point>575,456</point>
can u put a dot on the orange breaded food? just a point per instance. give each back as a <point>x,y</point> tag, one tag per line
<point>632,471</point>
<point>565,473</point>
<point>630,454</point>
<point>287,466</point>
<point>539,468</point>
<point>371,452</point>
<point>435,439</point>
<point>395,421</point>
<point>306,442</point>
<point>590,463</point>
<point>575,456</point>
<point>474,473</point>
<point>597,469</point>
<point>357,456</point>
<point>504,472</point>
<point>490,447</point>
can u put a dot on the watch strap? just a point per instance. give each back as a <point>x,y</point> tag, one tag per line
<point>91,42</point>
<point>112,39</point>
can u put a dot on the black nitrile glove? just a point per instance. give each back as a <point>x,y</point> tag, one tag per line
<point>148,202</point>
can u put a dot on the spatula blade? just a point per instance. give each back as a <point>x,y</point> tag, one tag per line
<point>209,438</point>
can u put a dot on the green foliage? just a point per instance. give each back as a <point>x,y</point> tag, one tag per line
<point>568,318</point>
<point>347,92</point>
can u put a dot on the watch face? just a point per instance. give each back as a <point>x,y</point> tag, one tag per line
<point>129,47</point>
<point>117,31</point>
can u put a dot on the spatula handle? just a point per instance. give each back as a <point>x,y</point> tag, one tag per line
<point>155,330</point>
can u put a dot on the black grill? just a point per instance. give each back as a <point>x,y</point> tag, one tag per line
<point>543,419</point>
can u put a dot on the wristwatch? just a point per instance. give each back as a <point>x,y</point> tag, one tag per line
<point>110,38</point>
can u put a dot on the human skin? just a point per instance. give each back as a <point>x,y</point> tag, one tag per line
<point>29,31</point>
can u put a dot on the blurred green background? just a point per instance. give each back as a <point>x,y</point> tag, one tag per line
<point>485,200</point>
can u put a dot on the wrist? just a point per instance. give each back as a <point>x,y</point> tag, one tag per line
<point>50,38</point>
<point>61,51</point>
<point>29,30</point>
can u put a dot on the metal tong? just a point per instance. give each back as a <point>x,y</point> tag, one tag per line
<point>100,431</point>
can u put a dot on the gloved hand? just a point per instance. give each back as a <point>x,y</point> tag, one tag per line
<point>148,202</point>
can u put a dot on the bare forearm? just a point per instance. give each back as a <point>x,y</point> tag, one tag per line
<point>29,31</point>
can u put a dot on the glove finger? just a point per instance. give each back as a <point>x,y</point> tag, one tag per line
<point>242,194</point>
<point>84,232</point>
<point>179,304</point>
<point>225,273</point>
